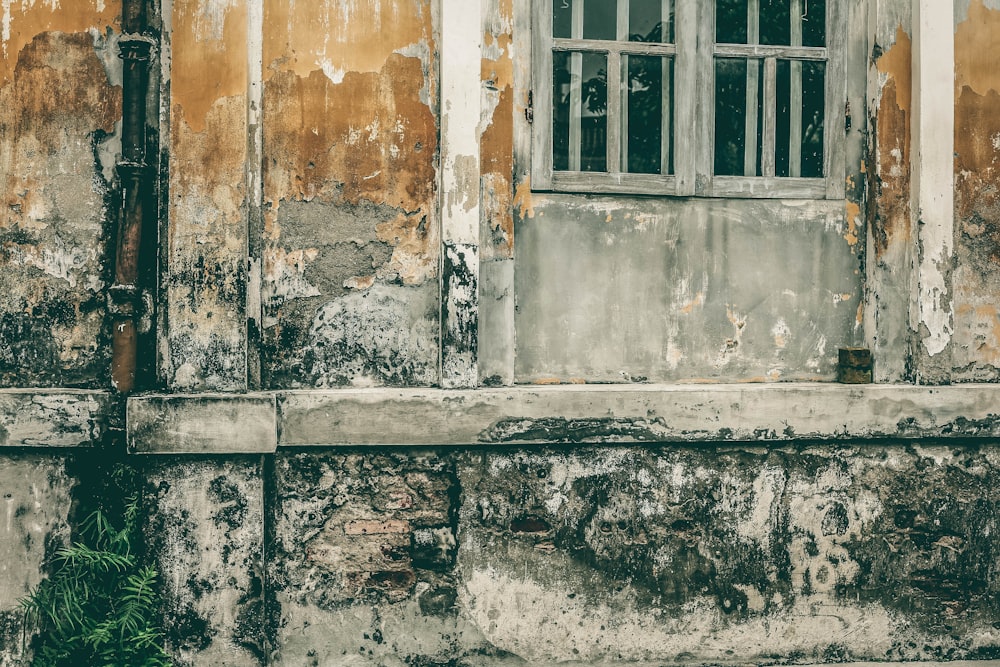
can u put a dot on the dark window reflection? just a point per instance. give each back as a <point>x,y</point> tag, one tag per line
<point>775,24</point>
<point>807,138</point>
<point>813,112</point>
<point>814,22</point>
<point>780,27</point>
<point>600,19</point>
<point>562,18</point>
<point>731,21</point>
<point>731,116</point>
<point>645,113</point>
<point>579,118</point>
<point>647,24</point>
<point>782,143</point>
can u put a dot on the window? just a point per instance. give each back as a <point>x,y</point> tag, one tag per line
<point>737,98</point>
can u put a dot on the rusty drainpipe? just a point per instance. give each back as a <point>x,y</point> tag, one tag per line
<point>135,49</point>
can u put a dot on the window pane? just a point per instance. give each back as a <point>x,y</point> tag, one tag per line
<point>793,22</point>
<point>775,25</point>
<point>782,120</point>
<point>731,21</point>
<point>648,111</point>
<point>813,112</point>
<point>600,19</point>
<point>579,118</point>
<point>814,22</point>
<point>646,23</point>
<point>800,99</point>
<point>733,150</point>
<point>562,18</point>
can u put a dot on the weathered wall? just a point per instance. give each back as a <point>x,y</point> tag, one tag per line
<point>203,325</point>
<point>889,241</point>
<point>976,354</point>
<point>658,290</point>
<point>60,101</point>
<point>205,525</point>
<point>351,234</point>
<point>620,289</point>
<point>600,555</point>
<point>35,501</point>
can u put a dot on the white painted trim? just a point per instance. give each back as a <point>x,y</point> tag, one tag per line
<point>459,194</point>
<point>461,56</point>
<point>932,158</point>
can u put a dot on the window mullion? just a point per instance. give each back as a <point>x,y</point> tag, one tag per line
<point>753,94</point>
<point>667,117</point>
<point>575,109</point>
<point>665,64</point>
<point>769,111</point>
<point>618,129</point>
<point>696,62</point>
<point>615,108</point>
<point>795,102</point>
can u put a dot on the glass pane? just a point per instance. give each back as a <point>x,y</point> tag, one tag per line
<point>799,134</point>
<point>731,21</point>
<point>648,111</point>
<point>579,114</point>
<point>775,24</point>
<point>732,78</point>
<point>782,119</point>
<point>813,112</point>
<point>600,19</point>
<point>562,18</point>
<point>646,21</point>
<point>814,22</point>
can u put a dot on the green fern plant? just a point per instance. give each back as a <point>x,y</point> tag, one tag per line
<point>99,607</point>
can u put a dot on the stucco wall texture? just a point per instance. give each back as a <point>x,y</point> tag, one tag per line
<point>298,234</point>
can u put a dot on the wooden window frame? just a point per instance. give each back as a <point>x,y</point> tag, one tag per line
<point>694,51</point>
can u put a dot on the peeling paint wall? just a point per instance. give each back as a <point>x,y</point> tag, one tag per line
<point>635,289</point>
<point>888,206</point>
<point>203,345</point>
<point>976,354</point>
<point>60,106</point>
<point>351,235</point>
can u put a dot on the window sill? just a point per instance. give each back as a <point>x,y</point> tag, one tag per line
<point>533,415</point>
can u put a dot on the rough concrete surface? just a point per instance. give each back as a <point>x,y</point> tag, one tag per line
<point>204,530</point>
<point>35,501</point>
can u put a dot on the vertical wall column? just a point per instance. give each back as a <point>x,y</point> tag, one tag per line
<point>933,193</point>
<point>461,52</point>
<point>204,330</point>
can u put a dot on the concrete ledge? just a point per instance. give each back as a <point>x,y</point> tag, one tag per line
<point>637,413</point>
<point>51,418</point>
<point>532,415</point>
<point>202,424</point>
